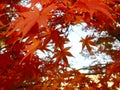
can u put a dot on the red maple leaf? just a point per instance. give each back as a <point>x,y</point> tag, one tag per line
<point>62,55</point>
<point>87,42</point>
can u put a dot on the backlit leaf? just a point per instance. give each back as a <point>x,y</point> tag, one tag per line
<point>87,42</point>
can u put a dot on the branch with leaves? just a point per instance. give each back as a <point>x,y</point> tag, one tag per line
<point>29,26</point>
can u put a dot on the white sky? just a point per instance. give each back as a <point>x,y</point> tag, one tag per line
<point>80,61</point>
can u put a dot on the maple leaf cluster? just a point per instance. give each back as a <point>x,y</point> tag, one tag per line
<point>26,29</point>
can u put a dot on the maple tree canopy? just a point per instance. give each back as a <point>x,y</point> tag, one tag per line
<point>30,25</point>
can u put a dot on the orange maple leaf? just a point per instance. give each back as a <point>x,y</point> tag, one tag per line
<point>23,24</point>
<point>62,55</point>
<point>87,42</point>
<point>30,49</point>
<point>93,6</point>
